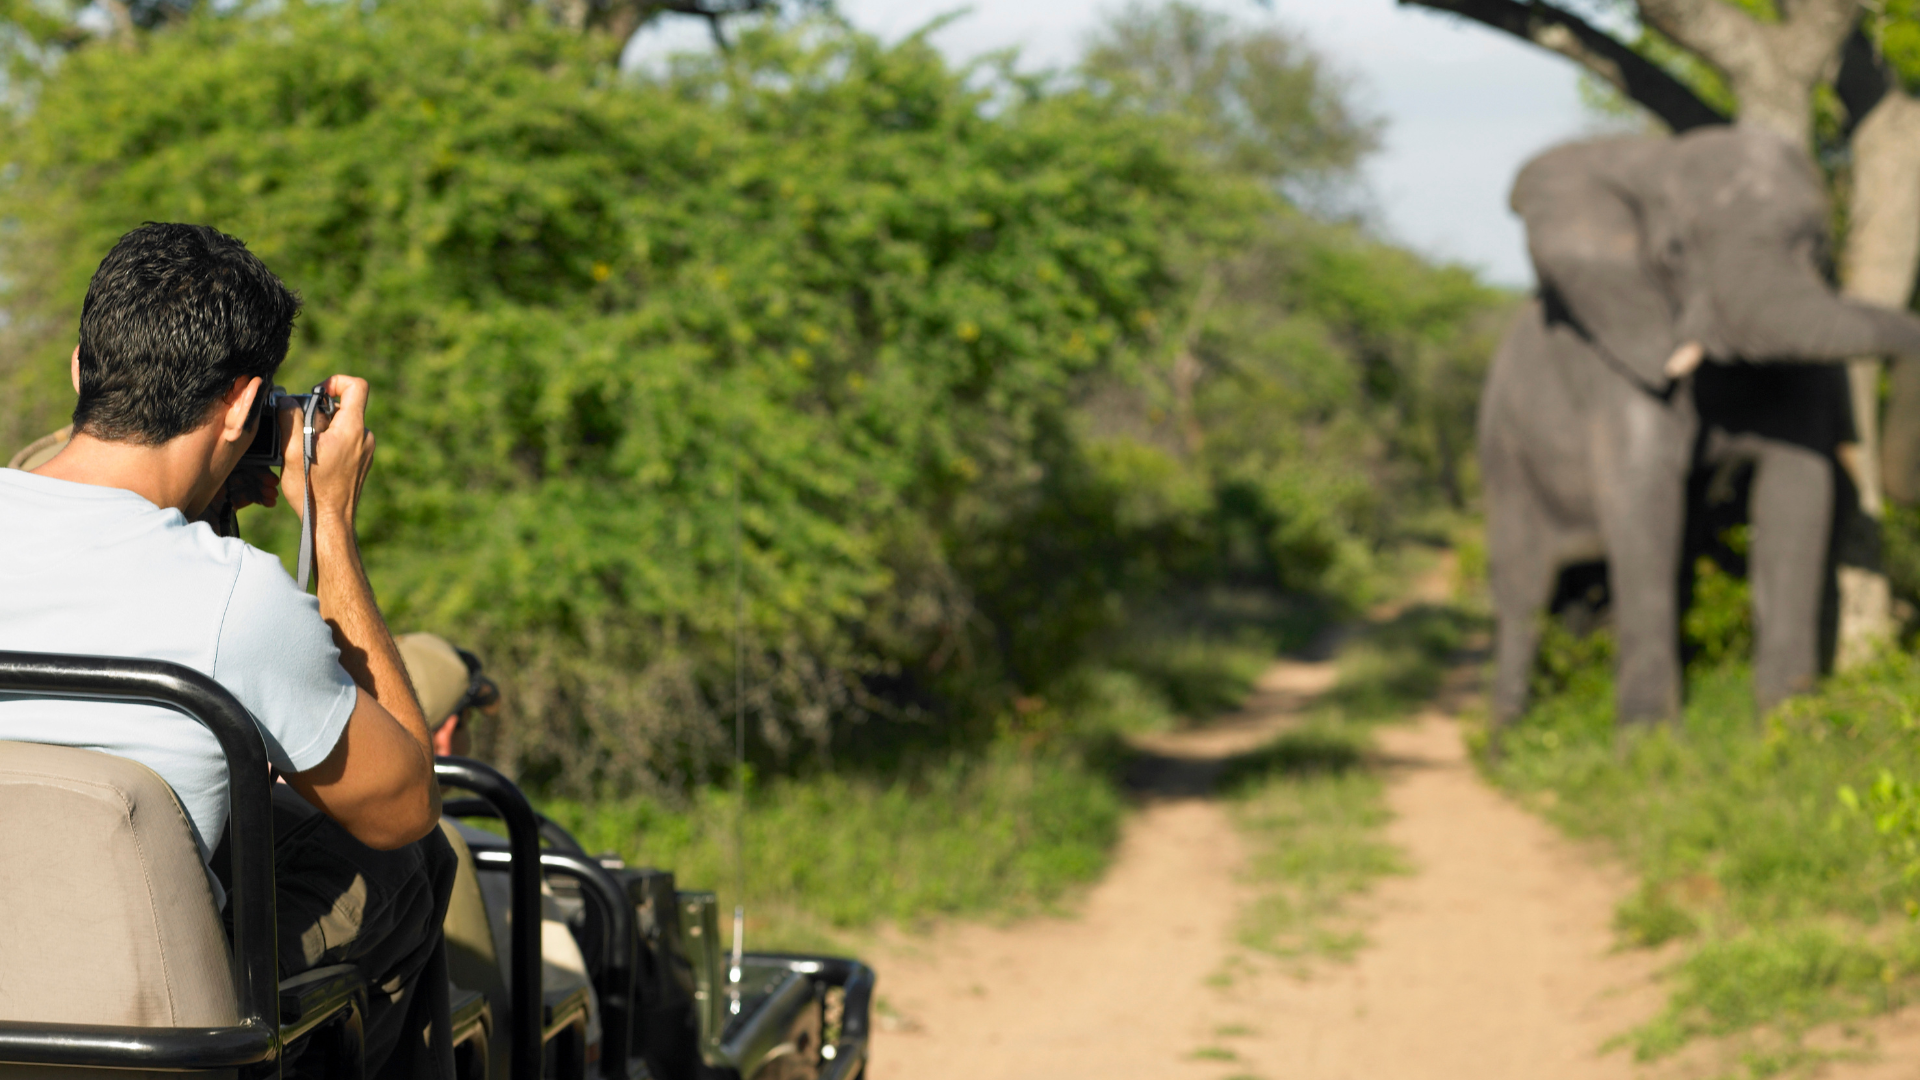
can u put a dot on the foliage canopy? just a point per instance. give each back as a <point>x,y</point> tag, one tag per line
<point>945,368</point>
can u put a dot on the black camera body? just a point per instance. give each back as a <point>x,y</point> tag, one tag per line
<point>268,438</point>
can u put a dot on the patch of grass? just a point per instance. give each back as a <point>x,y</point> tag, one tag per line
<point>1789,979</point>
<point>1233,1031</point>
<point>1214,1053</point>
<point>1789,905</point>
<point>1396,666</point>
<point>1009,831</point>
<point>1311,809</point>
<point>1312,816</point>
<point>1653,916</point>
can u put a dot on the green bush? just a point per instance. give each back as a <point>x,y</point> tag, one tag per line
<point>953,371</point>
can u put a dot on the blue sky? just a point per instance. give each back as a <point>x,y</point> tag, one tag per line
<point>1464,105</point>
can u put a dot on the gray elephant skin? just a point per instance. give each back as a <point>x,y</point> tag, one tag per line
<point>1587,445</point>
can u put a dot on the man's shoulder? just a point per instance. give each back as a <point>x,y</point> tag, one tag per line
<point>52,523</point>
<point>263,604</point>
<point>254,567</point>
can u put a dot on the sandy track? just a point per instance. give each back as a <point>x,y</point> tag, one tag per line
<point>1117,992</point>
<point>1493,959</point>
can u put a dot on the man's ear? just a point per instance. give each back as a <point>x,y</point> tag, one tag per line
<point>76,369</point>
<point>238,402</point>
<point>443,736</point>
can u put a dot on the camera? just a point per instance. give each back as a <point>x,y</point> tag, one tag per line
<point>268,438</point>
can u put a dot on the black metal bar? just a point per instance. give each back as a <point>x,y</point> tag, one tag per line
<point>314,997</point>
<point>523,943</point>
<point>551,831</point>
<point>250,819</point>
<point>615,984</point>
<point>104,1046</point>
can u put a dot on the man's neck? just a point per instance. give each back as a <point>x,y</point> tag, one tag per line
<point>173,475</point>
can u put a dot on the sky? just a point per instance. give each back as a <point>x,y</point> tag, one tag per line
<point>1464,105</point>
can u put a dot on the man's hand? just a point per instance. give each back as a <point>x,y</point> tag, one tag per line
<point>342,453</point>
<point>253,485</point>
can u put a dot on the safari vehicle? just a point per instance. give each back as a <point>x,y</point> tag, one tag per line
<point>113,961</point>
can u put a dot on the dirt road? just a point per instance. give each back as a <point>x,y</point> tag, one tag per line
<point>1493,959</point>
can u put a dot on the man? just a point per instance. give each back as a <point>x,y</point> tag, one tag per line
<point>181,333</point>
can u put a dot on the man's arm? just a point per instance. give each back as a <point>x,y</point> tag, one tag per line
<point>378,781</point>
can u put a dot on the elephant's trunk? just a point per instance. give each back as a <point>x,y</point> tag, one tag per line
<point>1791,314</point>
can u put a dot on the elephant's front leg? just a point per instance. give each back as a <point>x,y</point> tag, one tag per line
<point>1642,447</point>
<point>1792,513</point>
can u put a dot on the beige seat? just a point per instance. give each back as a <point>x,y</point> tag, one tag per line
<point>472,959</point>
<point>477,929</point>
<point>106,916</point>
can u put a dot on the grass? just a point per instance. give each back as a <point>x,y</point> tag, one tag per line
<point>1394,667</point>
<point>1311,808</point>
<point>1785,904</point>
<point>1190,658</point>
<point>1008,831</point>
<point>1312,815</point>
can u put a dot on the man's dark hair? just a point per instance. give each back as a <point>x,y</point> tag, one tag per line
<point>173,315</point>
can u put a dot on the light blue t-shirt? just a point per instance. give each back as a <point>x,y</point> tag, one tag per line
<point>104,572</point>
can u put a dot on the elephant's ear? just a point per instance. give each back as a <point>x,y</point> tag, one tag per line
<point>1586,235</point>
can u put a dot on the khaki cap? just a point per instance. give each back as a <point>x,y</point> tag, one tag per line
<point>439,676</point>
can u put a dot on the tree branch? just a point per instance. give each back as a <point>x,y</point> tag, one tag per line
<point>1563,32</point>
<point>1863,79</point>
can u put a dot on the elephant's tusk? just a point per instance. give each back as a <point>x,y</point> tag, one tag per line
<point>1685,359</point>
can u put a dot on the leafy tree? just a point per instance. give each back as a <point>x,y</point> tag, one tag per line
<point>798,343</point>
<point>1334,373</point>
<point>1255,98</point>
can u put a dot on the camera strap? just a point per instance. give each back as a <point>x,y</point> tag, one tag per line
<point>306,473</point>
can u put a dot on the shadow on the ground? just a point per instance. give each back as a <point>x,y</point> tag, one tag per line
<point>1291,753</point>
<point>1412,657</point>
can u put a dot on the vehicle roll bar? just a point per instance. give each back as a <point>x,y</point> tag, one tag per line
<point>616,964</point>
<point>255,1041</point>
<point>523,890</point>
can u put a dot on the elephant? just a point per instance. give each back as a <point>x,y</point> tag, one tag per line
<point>1683,322</point>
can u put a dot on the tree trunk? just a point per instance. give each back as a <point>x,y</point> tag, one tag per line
<point>1877,266</point>
<point>1772,67</point>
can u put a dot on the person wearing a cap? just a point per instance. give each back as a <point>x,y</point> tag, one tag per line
<point>181,332</point>
<point>448,682</point>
